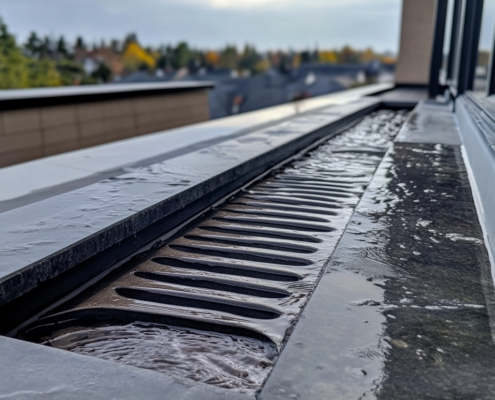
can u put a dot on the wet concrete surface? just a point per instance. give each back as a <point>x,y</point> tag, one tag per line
<point>430,122</point>
<point>404,309</point>
<point>247,268</point>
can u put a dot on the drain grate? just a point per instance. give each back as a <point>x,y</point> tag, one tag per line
<point>249,267</point>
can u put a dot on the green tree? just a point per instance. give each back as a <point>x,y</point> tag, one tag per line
<point>14,71</point>
<point>62,49</point>
<point>43,73</point>
<point>80,44</point>
<point>18,71</point>
<point>181,55</point>
<point>228,57</point>
<point>32,47</point>
<point>102,73</point>
<point>249,59</point>
<point>71,72</point>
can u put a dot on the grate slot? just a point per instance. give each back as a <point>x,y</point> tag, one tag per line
<point>316,188</point>
<point>260,232</point>
<point>274,206</point>
<point>275,223</point>
<point>275,214</point>
<point>258,244</point>
<point>227,269</point>
<point>191,302</point>
<point>213,285</point>
<point>319,195</point>
<point>240,254</point>
<point>294,200</point>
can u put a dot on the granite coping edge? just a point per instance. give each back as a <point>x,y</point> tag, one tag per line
<point>45,97</point>
<point>205,190</point>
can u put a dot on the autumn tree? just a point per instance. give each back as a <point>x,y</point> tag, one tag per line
<point>327,57</point>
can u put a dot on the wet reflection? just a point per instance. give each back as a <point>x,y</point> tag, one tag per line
<point>227,361</point>
<point>416,237</point>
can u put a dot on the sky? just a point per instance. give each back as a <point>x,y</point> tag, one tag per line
<point>211,24</point>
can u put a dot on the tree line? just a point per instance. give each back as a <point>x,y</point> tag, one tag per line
<point>47,61</point>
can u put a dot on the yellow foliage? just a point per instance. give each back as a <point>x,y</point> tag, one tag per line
<point>134,54</point>
<point>262,65</point>
<point>388,60</point>
<point>327,57</point>
<point>296,61</point>
<point>368,55</point>
<point>212,58</point>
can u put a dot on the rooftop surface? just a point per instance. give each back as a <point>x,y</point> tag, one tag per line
<point>403,306</point>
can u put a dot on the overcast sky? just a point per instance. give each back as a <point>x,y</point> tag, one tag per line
<point>268,24</point>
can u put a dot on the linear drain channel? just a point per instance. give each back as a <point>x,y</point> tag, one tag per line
<point>216,303</point>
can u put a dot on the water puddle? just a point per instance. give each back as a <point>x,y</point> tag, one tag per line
<point>227,361</point>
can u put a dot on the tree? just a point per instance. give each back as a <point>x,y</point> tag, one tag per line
<point>212,59</point>
<point>327,57</point>
<point>47,48</point>
<point>14,72</point>
<point>80,44</point>
<point>228,57</point>
<point>368,55</point>
<point>348,55</point>
<point>181,55</point>
<point>32,47</point>
<point>18,71</point>
<point>71,72</point>
<point>61,49</point>
<point>135,57</point>
<point>43,73</point>
<point>249,59</point>
<point>102,73</point>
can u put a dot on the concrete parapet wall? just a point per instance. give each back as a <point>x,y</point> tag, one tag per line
<point>30,133</point>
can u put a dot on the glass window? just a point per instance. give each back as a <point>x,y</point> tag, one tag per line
<point>446,43</point>
<point>485,48</point>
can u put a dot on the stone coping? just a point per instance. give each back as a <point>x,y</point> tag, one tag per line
<point>45,239</point>
<point>11,99</point>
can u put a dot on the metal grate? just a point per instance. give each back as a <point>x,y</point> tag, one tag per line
<point>249,267</point>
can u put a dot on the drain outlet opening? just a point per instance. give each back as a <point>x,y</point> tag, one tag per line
<point>165,298</point>
<point>227,270</point>
<point>213,285</point>
<point>254,243</point>
<point>301,193</point>
<point>275,214</point>
<point>251,231</point>
<point>282,207</point>
<point>241,255</point>
<point>288,224</point>
<point>294,201</point>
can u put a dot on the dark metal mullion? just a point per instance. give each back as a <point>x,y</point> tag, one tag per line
<point>437,51</point>
<point>454,37</point>
<point>469,45</point>
<point>490,85</point>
